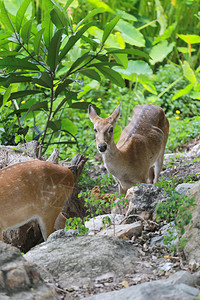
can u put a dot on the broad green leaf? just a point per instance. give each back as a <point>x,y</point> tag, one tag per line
<point>44,79</point>
<point>59,19</point>
<point>109,27</point>
<point>114,76</point>
<point>91,73</point>
<point>62,86</point>
<point>20,14</point>
<point>5,18</point>
<point>130,34</point>
<point>135,68</point>
<point>98,3</point>
<point>83,105</point>
<point>90,15</point>
<point>112,41</point>
<point>26,31</point>
<point>166,34</point>
<point>122,59</point>
<point>183,92</point>
<point>37,41</point>
<point>147,84</point>
<point>186,49</point>
<point>17,63</point>
<point>68,98</point>
<point>73,39</point>
<point>128,51</point>
<point>54,125</point>
<point>188,72</point>
<point>125,15</point>
<point>159,52</point>
<point>69,126</point>
<point>53,50</point>
<point>190,38</point>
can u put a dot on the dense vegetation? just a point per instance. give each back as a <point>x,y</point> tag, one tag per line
<point>56,57</point>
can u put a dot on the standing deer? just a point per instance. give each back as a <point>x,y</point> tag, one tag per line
<point>141,144</point>
<point>33,190</point>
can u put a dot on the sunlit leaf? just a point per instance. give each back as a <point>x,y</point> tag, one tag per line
<point>5,18</point>
<point>69,126</point>
<point>114,76</point>
<point>159,52</point>
<point>21,13</point>
<point>188,72</point>
<point>166,34</point>
<point>190,38</point>
<point>98,3</point>
<point>109,27</point>
<point>183,92</point>
<point>90,15</point>
<point>130,34</point>
<point>26,31</point>
<point>59,19</point>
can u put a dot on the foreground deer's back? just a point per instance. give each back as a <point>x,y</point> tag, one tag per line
<point>148,121</point>
<point>33,188</point>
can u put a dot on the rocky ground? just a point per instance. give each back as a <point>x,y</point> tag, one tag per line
<point>77,267</point>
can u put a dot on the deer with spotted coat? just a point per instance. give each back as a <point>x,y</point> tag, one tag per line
<point>141,145</point>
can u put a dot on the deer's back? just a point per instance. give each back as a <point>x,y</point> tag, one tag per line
<point>148,124</point>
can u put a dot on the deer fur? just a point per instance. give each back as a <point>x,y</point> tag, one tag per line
<point>141,145</point>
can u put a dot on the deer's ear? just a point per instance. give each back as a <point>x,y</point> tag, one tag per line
<point>115,115</point>
<point>92,113</point>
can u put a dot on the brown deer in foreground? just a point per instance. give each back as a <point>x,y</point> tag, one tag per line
<point>33,190</point>
<point>141,144</point>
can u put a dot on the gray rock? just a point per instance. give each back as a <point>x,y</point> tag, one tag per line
<point>20,279</point>
<point>124,231</point>
<point>144,198</point>
<point>192,231</point>
<point>183,188</point>
<point>96,224</point>
<point>78,261</point>
<point>179,286</point>
<point>164,231</point>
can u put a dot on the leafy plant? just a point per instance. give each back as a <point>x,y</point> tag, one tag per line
<point>46,59</point>
<point>76,223</point>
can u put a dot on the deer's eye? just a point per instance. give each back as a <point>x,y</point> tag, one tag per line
<point>95,130</point>
<point>110,130</point>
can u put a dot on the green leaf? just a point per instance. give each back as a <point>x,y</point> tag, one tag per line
<point>91,73</point>
<point>5,18</point>
<point>70,96</point>
<point>44,79</point>
<point>129,51</point>
<point>183,92</point>
<point>20,14</point>
<point>54,125</point>
<point>53,50</point>
<point>122,59</point>
<point>90,15</point>
<point>135,68</point>
<point>190,38</point>
<point>188,72</point>
<point>166,34</point>
<point>114,76</point>
<point>8,53</point>
<point>6,95</point>
<point>35,107</point>
<point>17,63</point>
<point>22,94</point>
<point>98,3</point>
<point>62,86</point>
<point>37,41</point>
<point>73,39</point>
<point>109,27</point>
<point>159,52</point>
<point>84,58</point>
<point>161,18</point>
<point>130,34</point>
<point>59,19</point>
<point>69,126</point>
<point>147,84</point>
<point>26,31</point>
<point>47,25</point>
<point>6,80</point>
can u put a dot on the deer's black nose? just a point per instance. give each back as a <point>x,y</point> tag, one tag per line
<point>102,147</point>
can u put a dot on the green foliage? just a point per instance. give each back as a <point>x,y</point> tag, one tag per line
<point>76,223</point>
<point>176,209</point>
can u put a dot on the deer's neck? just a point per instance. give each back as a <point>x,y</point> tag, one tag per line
<point>112,158</point>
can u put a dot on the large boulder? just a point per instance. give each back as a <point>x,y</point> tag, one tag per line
<point>20,279</point>
<point>79,261</point>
